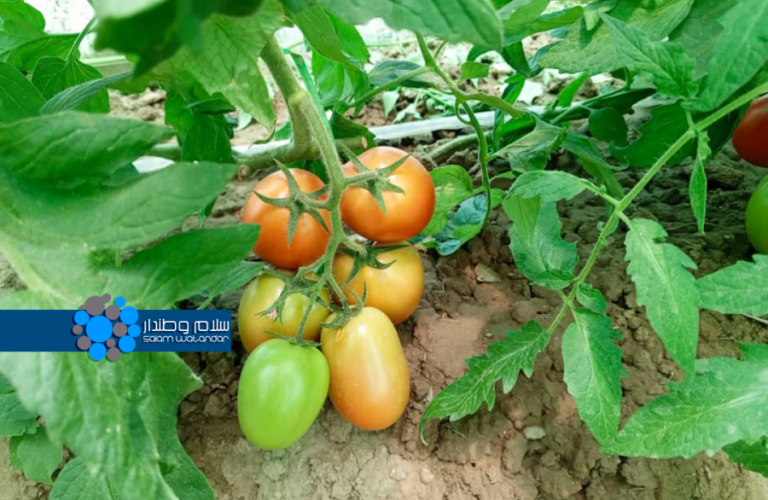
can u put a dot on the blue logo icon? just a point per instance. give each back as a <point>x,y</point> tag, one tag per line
<point>106,331</point>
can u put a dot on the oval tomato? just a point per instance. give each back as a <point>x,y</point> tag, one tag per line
<point>282,390</point>
<point>757,218</point>
<point>395,291</point>
<point>310,239</point>
<point>369,374</point>
<point>751,137</point>
<point>259,295</point>
<point>407,213</point>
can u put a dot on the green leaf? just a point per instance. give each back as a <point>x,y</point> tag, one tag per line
<point>18,97</point>
<point>503,361</point>
<point>545,258</point>
<point>387,71</point>
<point>667,124</point>
<point>208,139</point>
<point>20,23</point>
<point>698,184</point>
<point>593,371</point>
<point>77,482</point>
<point>464,224</point>
<point>236,278</point>
<point>518,14</point>
<point>549,185</point>
<point>227,61</point>
<point>591,298</point>
<point>52,75</point>
<point>523,212</point>
<point>590,158</point>
<point>751,455</point>
<point>74,146</point>
<point>608,125</point>
<point>665,63</point>
<point>473,21</point>
<point>342,128</point>
<point>471,70</point>
<point>35,455</point>
<point>519,31</point>
<point>593,10</point>
<point>666,288</point>
<point>739,289</point>
<point>566,96</point>
<point>532,151</point>
<point>24,57</point>
<point>75,97</point>
<point>597,51</point>
<point>453,185</point>
<point>14,419</point>
<point>723,403</point>
<point>136,416</point>
<point>738,55</point>
<point>331,37</point>
<point>701,30</point>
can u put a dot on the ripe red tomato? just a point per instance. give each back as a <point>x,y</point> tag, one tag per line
<point>259,295</point>
<point>407,213</point>
<point>310,239</point>
<point>757,218</point>
<point>282,390</point>
<point>751,136</point>
<point>370,383</point>
<point>395,291</point>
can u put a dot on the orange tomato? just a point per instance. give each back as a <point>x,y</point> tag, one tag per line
<point>395,291</point>
<point>407,213</point>
<point>310,239</point>
<point>259,295</point>
<point>370,383</point>
<point>751,137</point>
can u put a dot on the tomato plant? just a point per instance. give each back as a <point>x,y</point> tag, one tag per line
<point>370,382</point>
<point>757,218</point>
<point>750,139</point>
<point>405,214</point>
<point>258,324</point>
<point>282,389</point>
<point>78,217</point>
<point>395,289</point>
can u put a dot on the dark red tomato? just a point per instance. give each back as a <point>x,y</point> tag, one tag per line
<point>407,213</point>
<point>751,136</point>
<point>310,239</point>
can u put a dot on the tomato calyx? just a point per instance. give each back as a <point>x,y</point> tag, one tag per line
<point>374,180</point>
<point>297,202</point>
<point>370,259</point>
<point>293,284</point>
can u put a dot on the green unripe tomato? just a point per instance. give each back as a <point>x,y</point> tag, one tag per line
<point>757,218</point>
<point>259,295</point>
<point>282,389</point>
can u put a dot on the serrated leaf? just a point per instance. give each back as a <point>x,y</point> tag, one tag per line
<point>751,455</point>
<point>666,288</point>
<point>79,481</point>
<point>503,361</point>
<point>18,97</point>
<point>738,55</point>
<point>74,146</point>
<point>471,69</point>
<point>14,419</point>
<point>544,258</point>
<point>548,185</point>
<point>24,57</point>
<point>668,66</point>
<point>35,455</point>
<point>523,212</point>
<point>75,97</point>
<point>666,126</point>
<point>724,402</point>
<point>21,23</point>
<point>478,23</point>
<point>591,298</point>
<point>597,52</point>
<point>739,289</point>
<point>53,75</point>
<point>701,30</point>
<point>698,184</point>
<point>532,151</point>
<point>593,371</point>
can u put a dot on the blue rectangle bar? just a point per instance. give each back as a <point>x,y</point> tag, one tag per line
<point>150,331</point>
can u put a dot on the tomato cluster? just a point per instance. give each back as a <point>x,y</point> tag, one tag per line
<point>361,365</point>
